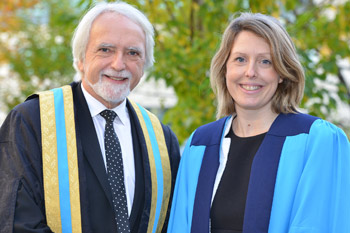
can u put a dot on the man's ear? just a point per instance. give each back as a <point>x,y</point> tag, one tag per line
<point>81,66</point>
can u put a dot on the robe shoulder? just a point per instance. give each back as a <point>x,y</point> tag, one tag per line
<point>209,134</point>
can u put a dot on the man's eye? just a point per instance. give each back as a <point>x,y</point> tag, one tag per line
<point>133,53</point>
<point>105,50</point>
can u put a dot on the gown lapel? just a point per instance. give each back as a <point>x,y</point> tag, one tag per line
<point>140,154</point>
<point>90,145</point>
<point>207,175</point>
<point>262,184</point>
<point>264,170</point>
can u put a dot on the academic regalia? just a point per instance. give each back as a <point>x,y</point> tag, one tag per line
<point>299,180</point>
<point>21,173</point>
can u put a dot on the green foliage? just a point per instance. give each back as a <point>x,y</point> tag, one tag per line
<point>188,33</point>
<point>39,48</point>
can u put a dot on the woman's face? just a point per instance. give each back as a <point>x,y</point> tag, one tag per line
<point>251,78</point>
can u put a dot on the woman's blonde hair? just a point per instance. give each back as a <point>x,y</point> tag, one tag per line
<point>284,58</point>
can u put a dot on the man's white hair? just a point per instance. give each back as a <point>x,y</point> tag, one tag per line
<point>82,32</point>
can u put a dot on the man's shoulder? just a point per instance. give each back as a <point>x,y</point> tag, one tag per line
<point>30,107</point>
<point>137,111</point>
<point>25,117</point>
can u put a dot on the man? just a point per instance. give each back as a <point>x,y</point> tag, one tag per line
<point>63,153</point>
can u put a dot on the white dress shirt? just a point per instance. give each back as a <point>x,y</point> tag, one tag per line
<point>224,149</point>
<point>122,128</point>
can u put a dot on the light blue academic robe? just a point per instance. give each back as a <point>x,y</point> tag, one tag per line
<point>299,181</point>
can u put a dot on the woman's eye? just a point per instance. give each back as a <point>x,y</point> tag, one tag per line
<point>239,59</point>
<point>266,62</point>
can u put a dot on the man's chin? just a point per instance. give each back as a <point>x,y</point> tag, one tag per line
<point>112,94</point>
<point>114,101</point>
<point>114,98</point>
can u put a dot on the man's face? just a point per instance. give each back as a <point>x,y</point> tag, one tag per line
<point>114,58</point>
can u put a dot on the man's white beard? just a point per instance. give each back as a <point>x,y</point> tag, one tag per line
<point>113,93</point>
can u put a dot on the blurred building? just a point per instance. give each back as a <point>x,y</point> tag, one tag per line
<point>154,95</point>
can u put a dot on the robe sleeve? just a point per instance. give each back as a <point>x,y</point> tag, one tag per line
<point>21,197</point>
<point>312,192</point>
<point>174,157</point>
<point>185,189</point>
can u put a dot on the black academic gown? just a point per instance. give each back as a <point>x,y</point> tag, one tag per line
<point>22,201</point>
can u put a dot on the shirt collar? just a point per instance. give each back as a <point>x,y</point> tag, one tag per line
<point>96,107</point>
<point>229,125</point>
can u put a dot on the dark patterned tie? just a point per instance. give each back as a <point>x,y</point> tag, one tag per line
<point>116,172</point>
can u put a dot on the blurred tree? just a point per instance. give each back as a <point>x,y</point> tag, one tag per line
<point>35,42</point>
<point>188,33</point>
<point>8,19</point>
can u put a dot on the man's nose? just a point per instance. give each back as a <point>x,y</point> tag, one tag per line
<point>118,62</point>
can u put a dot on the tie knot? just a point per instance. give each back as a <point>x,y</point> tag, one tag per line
<point>108,115</point>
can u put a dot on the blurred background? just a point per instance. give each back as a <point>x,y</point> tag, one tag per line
<point>35,53</point>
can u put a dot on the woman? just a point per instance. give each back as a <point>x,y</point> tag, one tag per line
<point>263,167</point>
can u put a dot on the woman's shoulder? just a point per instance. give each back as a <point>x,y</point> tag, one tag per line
<point>209,133</point>
<point>316,125</point>
<point>326,130</point>
<point>292,124</point>
<point>300,123</point>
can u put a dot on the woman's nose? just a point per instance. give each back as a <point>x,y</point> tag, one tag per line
<point>251,70</point>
